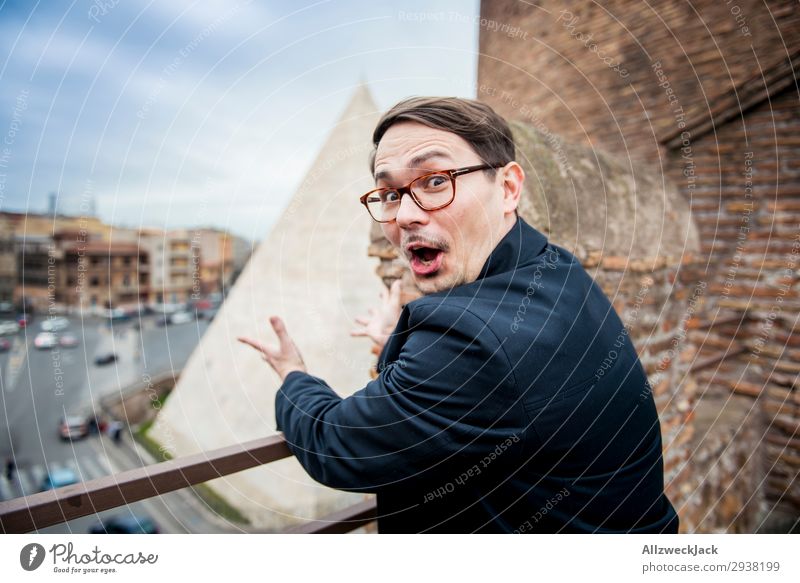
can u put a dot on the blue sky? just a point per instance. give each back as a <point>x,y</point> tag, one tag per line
<point>143,105</point>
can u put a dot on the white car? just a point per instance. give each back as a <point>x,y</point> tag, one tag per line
<point>181,318</point>
<point>73,427</point>
<point>8,328</point>
<point>166,308</point>
<point>55,324</point>
<point>45,340</point>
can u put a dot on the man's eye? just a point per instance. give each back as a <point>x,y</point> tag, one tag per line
<point>436,181</point>
<point>390,196</point>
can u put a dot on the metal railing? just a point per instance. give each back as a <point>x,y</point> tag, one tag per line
<point>45,509</point>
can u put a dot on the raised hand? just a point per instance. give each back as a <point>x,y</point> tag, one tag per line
<point>379,323</point>
<point>284,358</point>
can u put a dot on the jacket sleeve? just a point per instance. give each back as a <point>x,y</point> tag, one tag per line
<point>445,393</point>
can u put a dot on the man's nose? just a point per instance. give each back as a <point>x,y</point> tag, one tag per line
<point>410,213</point>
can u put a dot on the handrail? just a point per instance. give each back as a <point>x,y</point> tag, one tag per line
<point>45,509</point>
<point>339,522</point>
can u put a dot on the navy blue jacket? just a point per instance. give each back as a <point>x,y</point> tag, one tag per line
<point>514,403</point>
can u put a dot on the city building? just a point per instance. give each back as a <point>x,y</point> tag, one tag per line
<point>180,267</point>
<point>223,256</point>
<point>39,272</point>
<point>242,250</point>
<point>8,263</point>
<point>171,267</point>
<point>105,274</point>
<point>37,224</point>
<point>213,250</point>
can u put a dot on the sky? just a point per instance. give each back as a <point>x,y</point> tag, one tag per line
<point>137,109</point>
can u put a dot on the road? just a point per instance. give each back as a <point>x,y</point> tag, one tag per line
<point>38,387</point>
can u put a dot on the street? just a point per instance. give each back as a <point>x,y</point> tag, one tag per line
<point>40,386</point>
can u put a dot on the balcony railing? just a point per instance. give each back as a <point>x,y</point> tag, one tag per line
<point>45,509</point>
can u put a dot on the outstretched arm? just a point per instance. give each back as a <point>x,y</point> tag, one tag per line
<point>451,389</point>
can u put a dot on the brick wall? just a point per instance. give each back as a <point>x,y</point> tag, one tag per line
<point>705,97</point>
<point>615,102</point>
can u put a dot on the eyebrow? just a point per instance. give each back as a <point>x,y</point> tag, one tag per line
<point>415,162</point>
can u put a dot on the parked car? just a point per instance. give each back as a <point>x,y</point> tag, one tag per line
<point>118,315</point>
<point>201,305</point>
<point>5,344</point>
<point>105,358</point>
<point>125,524</point>
<point>58,479</point>
<point>73,427</point>
<point>68,340</point>
<point>6,307</point>
<point>181,318</point>
<point>166,308</point>
<point>8,328</point>
<point>54,324</point>
<point>45,340</point>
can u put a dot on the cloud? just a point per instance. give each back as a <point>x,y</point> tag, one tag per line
<point>159,98</point>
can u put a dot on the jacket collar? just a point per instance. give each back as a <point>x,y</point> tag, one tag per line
<point>521,244</point>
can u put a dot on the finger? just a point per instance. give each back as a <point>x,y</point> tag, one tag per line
<point>254,343</point>
<point>362,320</point>
<point>265,351</point>
<point>280,331</point>
<point>394,292</point>
<point>268,353</point>
<point>358,332</point>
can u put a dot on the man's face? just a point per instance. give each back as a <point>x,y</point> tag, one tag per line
<point>447,247</point>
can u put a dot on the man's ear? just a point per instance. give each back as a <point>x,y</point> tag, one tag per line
<point>513,177</point>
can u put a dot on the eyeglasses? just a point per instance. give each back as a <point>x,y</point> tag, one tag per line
<point>430,192</point>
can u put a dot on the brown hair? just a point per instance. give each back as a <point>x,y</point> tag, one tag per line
<point>486,131</point>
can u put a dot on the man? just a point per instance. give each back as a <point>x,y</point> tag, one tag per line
<point>509,396</point>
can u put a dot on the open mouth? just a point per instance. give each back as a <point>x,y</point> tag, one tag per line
<point>425,260</point>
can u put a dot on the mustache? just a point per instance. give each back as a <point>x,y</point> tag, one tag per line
<point>434,242</point>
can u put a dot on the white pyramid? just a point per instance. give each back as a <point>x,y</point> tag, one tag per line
<point>312,270</point>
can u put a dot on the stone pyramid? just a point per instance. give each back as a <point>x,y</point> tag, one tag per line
<point>313,270</point>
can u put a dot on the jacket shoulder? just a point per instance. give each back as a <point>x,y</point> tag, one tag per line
<point>458,317</point>
<point>455,310</point>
